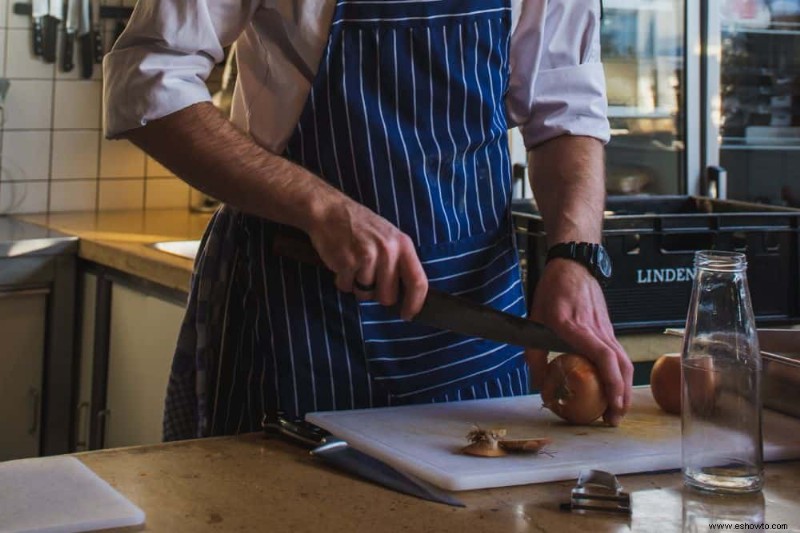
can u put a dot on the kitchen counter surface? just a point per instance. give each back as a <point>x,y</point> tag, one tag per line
<point>121,239</point>
<point>249,483</point>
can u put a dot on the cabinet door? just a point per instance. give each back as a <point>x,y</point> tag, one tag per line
<point>86,324</point>
<point>22,330</point>
<point>144,330</point>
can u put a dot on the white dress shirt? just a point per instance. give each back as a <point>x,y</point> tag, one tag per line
<point>169,48</point>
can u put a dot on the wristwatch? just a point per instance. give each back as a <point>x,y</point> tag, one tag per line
<point>591,255</point>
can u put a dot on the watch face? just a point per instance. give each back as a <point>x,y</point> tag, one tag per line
<point>603,263</point>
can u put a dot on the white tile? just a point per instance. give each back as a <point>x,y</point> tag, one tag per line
<point>25,155</point>
<point>77,104</point>
<point>166,192</point>
<point>121,159</point>
<point>121,194</point>
<point>21,63</point>
<point>157,170</point>
<point>80,195</point>
<point>75,154</point>
<point>29,104</point>
<point>23,197</point>
<point>15,21</point>
<point>4,6</point>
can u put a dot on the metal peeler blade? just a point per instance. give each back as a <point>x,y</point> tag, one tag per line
<point>598,490</point>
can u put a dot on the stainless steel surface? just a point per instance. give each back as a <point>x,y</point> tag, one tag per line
<point>73,16</point>
<point>598,490</point>
<point>466,317</point>
<point>780,351</point>
<point>185,249</point>
<point>338,453</point>
<point>21,239</point>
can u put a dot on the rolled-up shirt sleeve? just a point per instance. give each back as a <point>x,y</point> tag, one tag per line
<point>557,84</point>
<point>160,63</point>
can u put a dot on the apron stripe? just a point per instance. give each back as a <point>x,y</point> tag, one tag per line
<point>310,354</point>
<point>366,119</point>
<point>356,176</point>
<point>424,354</point>
<point>327,341</point>
<point>452,198</point>
<point>438,183</point>
<point>440,367</point>
<point>391,165</point>
<point>423,152</point>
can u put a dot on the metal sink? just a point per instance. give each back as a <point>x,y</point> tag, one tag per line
<point>185,249</point>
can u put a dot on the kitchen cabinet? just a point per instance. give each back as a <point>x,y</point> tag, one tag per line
<point>143,332</point>
<point>22,330</point>
<point>129,329</point>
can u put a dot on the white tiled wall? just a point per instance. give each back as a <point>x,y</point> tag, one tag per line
<point>52,153</point>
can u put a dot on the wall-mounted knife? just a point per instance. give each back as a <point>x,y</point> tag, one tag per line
<point>446,311</point>
<point>70,31</point>
<point>97,33</point>
<point>86,40</point>
<point>54,16</point>
<point>38,12</point>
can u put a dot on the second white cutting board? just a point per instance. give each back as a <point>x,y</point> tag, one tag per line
<point>424,440</point>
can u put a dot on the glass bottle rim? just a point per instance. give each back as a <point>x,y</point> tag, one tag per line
<point>720,260</point>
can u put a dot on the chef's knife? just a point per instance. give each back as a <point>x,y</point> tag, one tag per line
<point>38,12</point>
<point>86,39</point>
<point>339,454</point>
<point>51,22</point>
<point>97,32</point>
<point>446,311</point>
<point>71,29</point>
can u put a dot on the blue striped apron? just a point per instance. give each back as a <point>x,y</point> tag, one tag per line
<point>406,116</point>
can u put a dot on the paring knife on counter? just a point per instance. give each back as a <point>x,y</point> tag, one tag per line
<point>39,9</point>
<point>339,454</point>
<point>71,30</point>
<point>54,16</point>
<point>446,311</point>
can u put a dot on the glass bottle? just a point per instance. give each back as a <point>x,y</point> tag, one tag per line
<point>721,380</point>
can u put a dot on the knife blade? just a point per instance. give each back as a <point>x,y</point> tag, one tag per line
<point>86,39</point>
<point>49,41</point>
<point>446,311</point>
<point>339,454</point>
<point>38,11</point>
<point>70,31</point>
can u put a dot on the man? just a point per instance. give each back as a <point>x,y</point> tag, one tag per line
<point>378,128</point>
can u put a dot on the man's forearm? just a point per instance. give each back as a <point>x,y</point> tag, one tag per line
<point>568,180</point>
<point>207,151</point>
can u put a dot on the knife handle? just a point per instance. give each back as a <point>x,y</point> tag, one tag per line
<point>68,54</point>
<point>99,50</point>
<point>38,45</point>
<point>87,55</point>
<point>49,39</point>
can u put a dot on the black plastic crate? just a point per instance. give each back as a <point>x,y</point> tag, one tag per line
<point>652,241</point>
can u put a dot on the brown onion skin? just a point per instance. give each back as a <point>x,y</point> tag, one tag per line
<point>665,383</point>
<point>572,389</point>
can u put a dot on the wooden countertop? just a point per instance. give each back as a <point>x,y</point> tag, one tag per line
<point>249,483</point>
<point>121,239</point>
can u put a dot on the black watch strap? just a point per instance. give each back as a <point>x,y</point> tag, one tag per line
<point>591,255</point>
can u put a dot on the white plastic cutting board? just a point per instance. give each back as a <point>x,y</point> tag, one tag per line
<point>60,494</point>
<point>424,440</point>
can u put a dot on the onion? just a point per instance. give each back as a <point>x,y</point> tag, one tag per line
<point>665,382</point>
<point>572,389</point>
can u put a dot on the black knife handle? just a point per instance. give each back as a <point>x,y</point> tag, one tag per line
<point>87,55</point>
<point>49,39</point>
<point>38,45</point>
<point>99,49</point>
<point>68,54</point>
<point>298,431</point>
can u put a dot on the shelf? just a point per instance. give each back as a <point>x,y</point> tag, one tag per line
<point>619,111</point>
<point>783,29</point>
<point>760,147</point>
